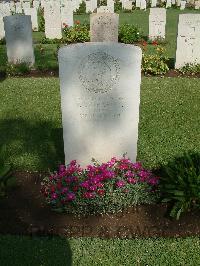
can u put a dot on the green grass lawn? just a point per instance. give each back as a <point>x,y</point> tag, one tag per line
<point>23,251</point>
<point>138,17</point>
<point>31,129</point>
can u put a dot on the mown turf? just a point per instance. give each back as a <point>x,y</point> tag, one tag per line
<point>31,128</point>
<point>23,251</point>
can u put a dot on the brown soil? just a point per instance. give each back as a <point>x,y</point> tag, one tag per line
<point>24,212</point>
<point>54,73</point>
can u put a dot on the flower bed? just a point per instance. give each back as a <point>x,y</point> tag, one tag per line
<point>100,188</point>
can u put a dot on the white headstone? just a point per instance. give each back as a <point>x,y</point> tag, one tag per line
<point>67,16</point>
<point>36,4</point>
<point>89,6</point>
<point>53,22</point>
<point>18,7</point>
<point>157,22</point>
<point>18,34</point>
<point>188,40</point>
<point>183,3</point>
<point>128,5</point>
<point>169,3</point>
<point>103,9</point>
<point>197,5</point>
<point>100,97</point>
<point>178,2</point>
<point>153,3</point>
<point>2,32</point>
<point>110,5</point>
<point>138,3</point>
<point>104,27</point>
<point>143,4</point>
<point>32,11</point>
<point>26,4</point>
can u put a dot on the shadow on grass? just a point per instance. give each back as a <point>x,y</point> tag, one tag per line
<point>30,144</point>
<point>171,63</point>
<point>35,251</point>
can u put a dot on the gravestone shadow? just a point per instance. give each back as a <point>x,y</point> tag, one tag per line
<point>40,141</point>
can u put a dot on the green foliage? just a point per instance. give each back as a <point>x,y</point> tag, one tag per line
<point>156,63</point>
<point>191,69</point>
<point>52,41</point>
<point>17,69</point>
<point>2,41</point>
<point>180,183</point>
<point>41,20</point>
<point>77,34</point>
<point>81,9</point>
<point>117,6</point>
<point>129,34</point>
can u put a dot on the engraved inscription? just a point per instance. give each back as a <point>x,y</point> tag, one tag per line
<point>99,72</point>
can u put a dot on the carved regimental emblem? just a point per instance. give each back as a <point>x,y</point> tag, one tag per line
<point>99,72</point>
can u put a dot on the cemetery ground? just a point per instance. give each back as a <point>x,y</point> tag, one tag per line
<point>31,139</point>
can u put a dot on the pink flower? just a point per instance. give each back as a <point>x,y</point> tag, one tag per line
<point>137,165</point>
<point>131,180</point>
<point>54,196</point>
<point>129,174</point>
<point>88,195</point>
<point>120,183</point>
<point>70,196</point>
<point>153,181</point>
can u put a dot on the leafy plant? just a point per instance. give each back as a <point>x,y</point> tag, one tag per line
<point>156,63</point>
<point>81,9</point>
<point>117,6</point>
<point>41,20</point>
<point>180,183</point>
<point>2,41</point>
<point>129,34</point>
<point>99,188</point>
<point>17,69</point>
<point>76,34</point>
<point>191,69</point>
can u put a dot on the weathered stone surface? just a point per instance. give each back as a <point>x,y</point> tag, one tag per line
<point>18,34</point>
<point>100,96</point>
<point>188,40</point>
<point>104,27</point>
<point>52,18</point>
<point>33,13</point>
<point>157,22</point>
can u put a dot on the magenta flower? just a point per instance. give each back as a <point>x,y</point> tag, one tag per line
<point>54,196</point>
<point>129,174</point>
<point>131,180</point>
<point>70,196</point>
<point>137,166</point>
<point>120,183</point>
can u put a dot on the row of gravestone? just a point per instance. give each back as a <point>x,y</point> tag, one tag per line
<point>61,14</point>
<point>103,28</point>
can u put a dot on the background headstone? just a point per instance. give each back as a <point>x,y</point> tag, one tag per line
<point>53,22</point>
<point>100,97</point>
<point>183,3</point>
<point>168,4</point>
<point>157,22</point>
<point>32,11</point>
<point>188,40</point>
<point>104,27</point>
<point>153,3</point>
<point>128,5</point>
<point>18,34</point>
